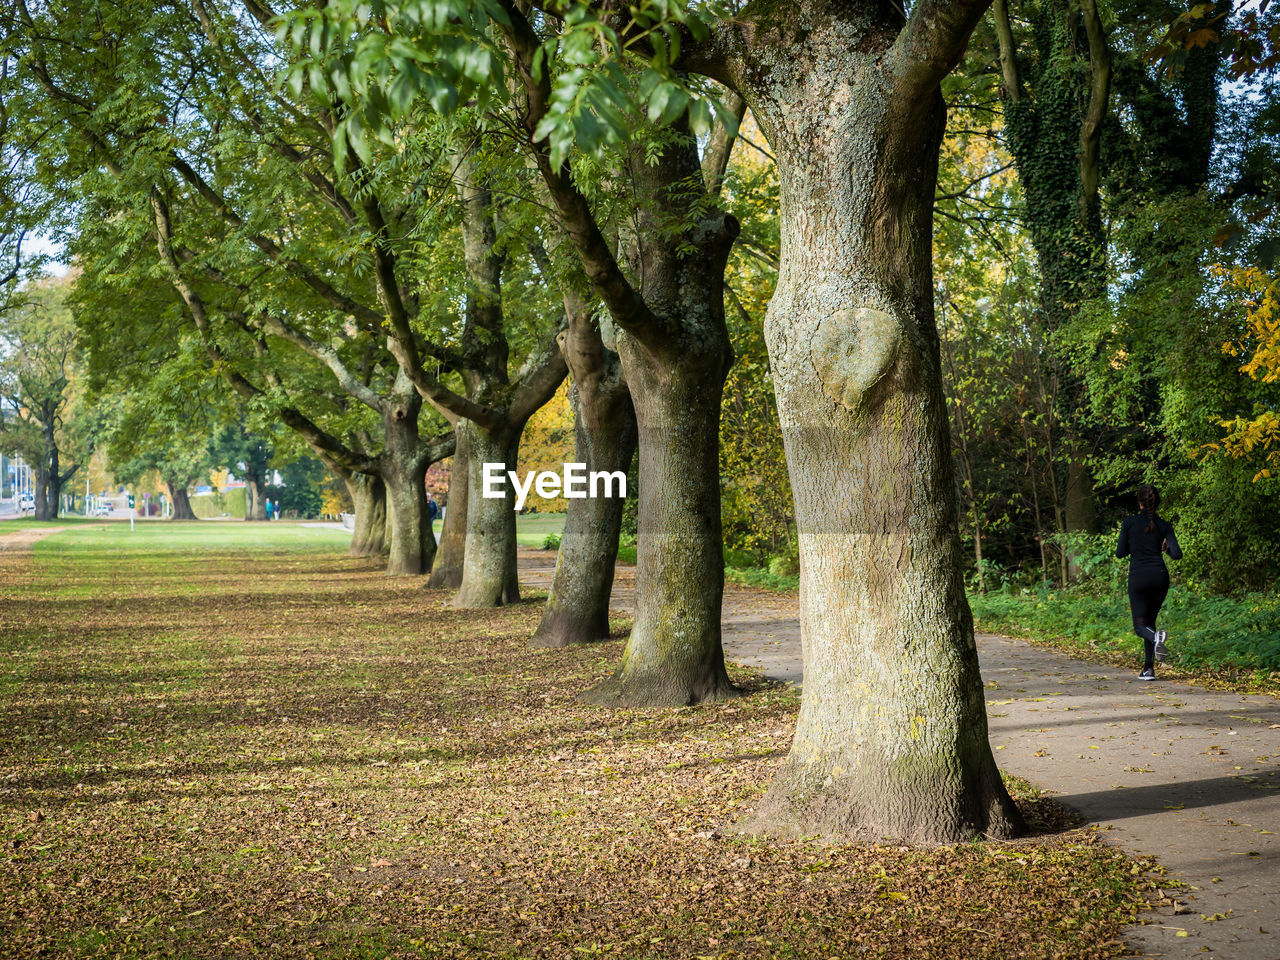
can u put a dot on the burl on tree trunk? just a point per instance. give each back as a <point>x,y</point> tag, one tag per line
<point>892,734</point>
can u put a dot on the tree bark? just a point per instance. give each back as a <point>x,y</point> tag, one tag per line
<point>604,430</point>
<point>447,570</point>
<point>1080,512</point>
<point>181,501</point>
<point>403,466</point>
<point>369,495</point>
<point>46,506</point>
<point>892,734</point>
<point>255,498</point>
<point>489,576</point>
<point>674,656</point>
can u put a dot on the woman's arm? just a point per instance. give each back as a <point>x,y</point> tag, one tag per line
<point>1122,548</point>
<point>1171,543</point>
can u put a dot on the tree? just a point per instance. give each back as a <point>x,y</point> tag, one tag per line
<point>604,431</point>
<point>41,408</point>
<point>900,749</point>
<point>246,455</point>
<point>664,293</point>
<point>144,442</point>
<point>24,204</point>
<point>497,406</point>
<point>674,348</point>
<point>1055,127</point>
<point>892,736</point>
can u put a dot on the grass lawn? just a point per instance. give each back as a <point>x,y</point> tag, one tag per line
<point>532,528</point>
<point>1227,642</point>
<point>233,740</point>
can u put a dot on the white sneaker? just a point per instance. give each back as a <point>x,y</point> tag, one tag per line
<point>1147,674</point>
<point>1161,651</point>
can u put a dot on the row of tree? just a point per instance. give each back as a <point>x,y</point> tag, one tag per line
<point>396,228</point>
<point>59,415</point>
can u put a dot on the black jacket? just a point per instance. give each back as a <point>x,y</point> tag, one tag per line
<point>1143,548</point>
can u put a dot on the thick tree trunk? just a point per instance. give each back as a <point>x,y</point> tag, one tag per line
<point>404,472</point>
<point>1080,511</point>
<point>181,502</point>
<point>255,497</point>
<point>447,570</point>
<point>489,577</point>
<point>46,506</point>
<point>892,734</point>
<point>674,656</point>
<point>577,608</point>
<point>369,496</point>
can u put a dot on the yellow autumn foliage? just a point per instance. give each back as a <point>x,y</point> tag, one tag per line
<point>547,444</point>
<point>1257,438</point>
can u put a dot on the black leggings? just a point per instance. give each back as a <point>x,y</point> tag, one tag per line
<point>1147,590</point>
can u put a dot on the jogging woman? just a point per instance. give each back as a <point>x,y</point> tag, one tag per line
<point>1142,539</point>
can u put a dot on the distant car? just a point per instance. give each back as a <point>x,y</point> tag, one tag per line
<point>26,502</point>
<point>104,508</point>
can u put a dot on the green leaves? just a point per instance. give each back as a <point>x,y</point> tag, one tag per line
<point>375,64</point>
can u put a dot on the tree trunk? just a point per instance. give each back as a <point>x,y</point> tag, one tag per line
<point>489,577</point>
<point>447,570</point>
<point>46,506</point>
<point>369,495</point>
<point>1080,509</point>
<point>404,472</point>
<point>892,735</point>
<point>604,430</point>
<point>674,655</point>
<point>977,552</point>
<point>181,502</point>
<point>255,497</point>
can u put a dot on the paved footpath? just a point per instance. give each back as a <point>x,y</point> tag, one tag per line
<point>1189,775</point>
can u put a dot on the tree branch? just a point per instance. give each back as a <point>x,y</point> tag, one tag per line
<point>715,158</point>
<point>598,262</point>
<point>321,441</point>
<point>295,267</point>
<point>1099,96</point>
<point>931,43</point>
<point>1008,52</point>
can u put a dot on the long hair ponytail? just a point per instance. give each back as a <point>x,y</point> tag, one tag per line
<point>1148,500</point>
